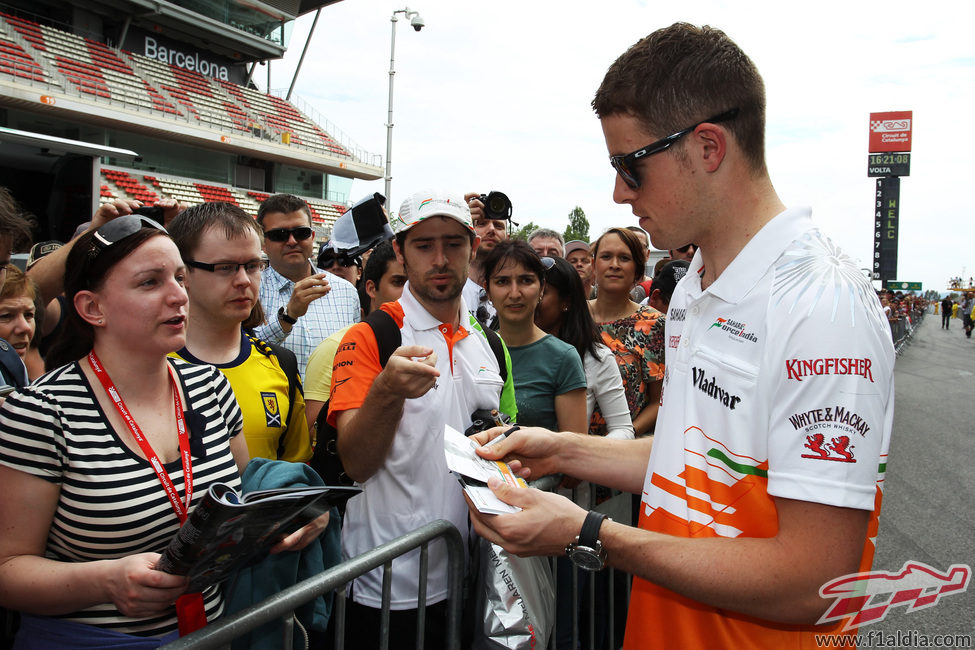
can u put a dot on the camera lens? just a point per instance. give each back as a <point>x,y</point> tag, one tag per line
<point>496,205</point>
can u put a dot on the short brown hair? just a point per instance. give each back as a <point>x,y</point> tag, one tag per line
<point>630,239</point>
<point>682,74</point>
<point>189,225</point>
<point>17,285</point>
<point>283,203</point>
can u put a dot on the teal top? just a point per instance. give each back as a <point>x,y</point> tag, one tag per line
<point>542,370</point>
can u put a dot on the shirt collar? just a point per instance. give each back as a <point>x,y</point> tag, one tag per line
<point>417,315</point>
<point>753,261</point>
<point>278,282</point>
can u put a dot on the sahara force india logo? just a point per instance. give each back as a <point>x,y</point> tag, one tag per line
<point>735,329</point>
<point>866,598</point>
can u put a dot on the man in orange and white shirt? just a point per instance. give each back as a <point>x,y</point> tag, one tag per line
<point>390,420</point>
<point>764,478</point>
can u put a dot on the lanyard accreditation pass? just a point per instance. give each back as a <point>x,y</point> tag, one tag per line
<point>184,439</point>
<point>189,607</point>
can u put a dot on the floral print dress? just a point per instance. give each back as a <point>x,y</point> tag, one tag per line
<point>637,342</point>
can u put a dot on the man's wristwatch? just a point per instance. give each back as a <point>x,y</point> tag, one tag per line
<point>283,315</point>
<point>587,552</point>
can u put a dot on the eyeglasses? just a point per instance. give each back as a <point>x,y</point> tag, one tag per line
<point>283,234</point>
<point>548,263</point>
<point>229,269</point>
<point>624,164</point>
<point>118,229</point>
<point>684,249</point>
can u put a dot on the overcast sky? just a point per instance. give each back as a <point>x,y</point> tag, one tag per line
<point>496,95</point>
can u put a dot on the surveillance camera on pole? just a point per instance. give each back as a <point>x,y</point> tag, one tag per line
<point>417,22</point>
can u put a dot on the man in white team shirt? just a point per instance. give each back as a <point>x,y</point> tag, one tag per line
<point>764,478</point>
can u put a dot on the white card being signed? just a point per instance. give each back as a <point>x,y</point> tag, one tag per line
<point>474,471</point>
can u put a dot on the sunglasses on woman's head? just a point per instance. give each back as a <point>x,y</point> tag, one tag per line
<point>118,229</point>
<point>282,234</point>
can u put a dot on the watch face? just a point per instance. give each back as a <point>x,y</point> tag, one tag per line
<point>586,558</point>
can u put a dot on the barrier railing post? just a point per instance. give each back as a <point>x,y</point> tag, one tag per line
<point>283,604</point>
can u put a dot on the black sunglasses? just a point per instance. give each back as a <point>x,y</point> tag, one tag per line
<point>329,262</point>
<point>624,164</point>
<point>684,249</point>
<point>282,234</point>
<point>118,229</point>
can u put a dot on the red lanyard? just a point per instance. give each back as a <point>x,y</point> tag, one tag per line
<point>184,438</point>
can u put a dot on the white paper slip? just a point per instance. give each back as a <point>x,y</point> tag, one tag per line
<point>471,468</point>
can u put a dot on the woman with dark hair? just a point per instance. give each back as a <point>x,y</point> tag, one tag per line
<point>564,312</point>
<point>549,380</point>
<point>102,458</point>
<point>635,333</point>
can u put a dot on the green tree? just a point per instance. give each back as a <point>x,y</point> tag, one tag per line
<point>578,227</point>
<point>523,232</point>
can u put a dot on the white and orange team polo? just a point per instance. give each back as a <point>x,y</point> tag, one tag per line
<point>779,382</point>
<point>414,486</point>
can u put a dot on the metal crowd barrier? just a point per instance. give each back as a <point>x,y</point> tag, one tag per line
<point>281,606</point>
<point>601,632</point>
<point>902,330</point>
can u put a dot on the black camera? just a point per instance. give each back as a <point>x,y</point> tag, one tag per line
<point>484,419</point>
<point>497,205</point>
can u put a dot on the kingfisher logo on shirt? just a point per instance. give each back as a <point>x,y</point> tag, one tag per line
<point>271,411</point>
<point>735,330</point>
<point>799,368</point>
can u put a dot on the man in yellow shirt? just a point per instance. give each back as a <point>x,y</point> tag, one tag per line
<point>221,247</point>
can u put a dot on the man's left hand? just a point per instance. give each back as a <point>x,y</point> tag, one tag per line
<point>545,524</point>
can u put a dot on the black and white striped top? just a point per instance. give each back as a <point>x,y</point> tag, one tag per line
<point>111,503</point>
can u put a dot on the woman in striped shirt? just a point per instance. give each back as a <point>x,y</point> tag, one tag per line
<point>93,469</point>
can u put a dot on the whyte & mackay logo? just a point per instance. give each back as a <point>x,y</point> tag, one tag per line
<point>839,448</point>
<point>829,417</point>
<point>866,598</point>
<point>735,329</point>
<point>799,368</point>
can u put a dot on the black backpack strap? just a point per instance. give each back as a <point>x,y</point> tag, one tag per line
<point>388,335</point>
<point>497,347</point>
<point>289,365</point>
<point>326,459</point>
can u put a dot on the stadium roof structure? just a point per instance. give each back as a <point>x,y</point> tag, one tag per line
<point>242,30</point>
<point>51,145</point>
<point>148,99</point>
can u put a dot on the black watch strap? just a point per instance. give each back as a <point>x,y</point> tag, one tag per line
<point>283,315</point>
<point>589,534</point>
